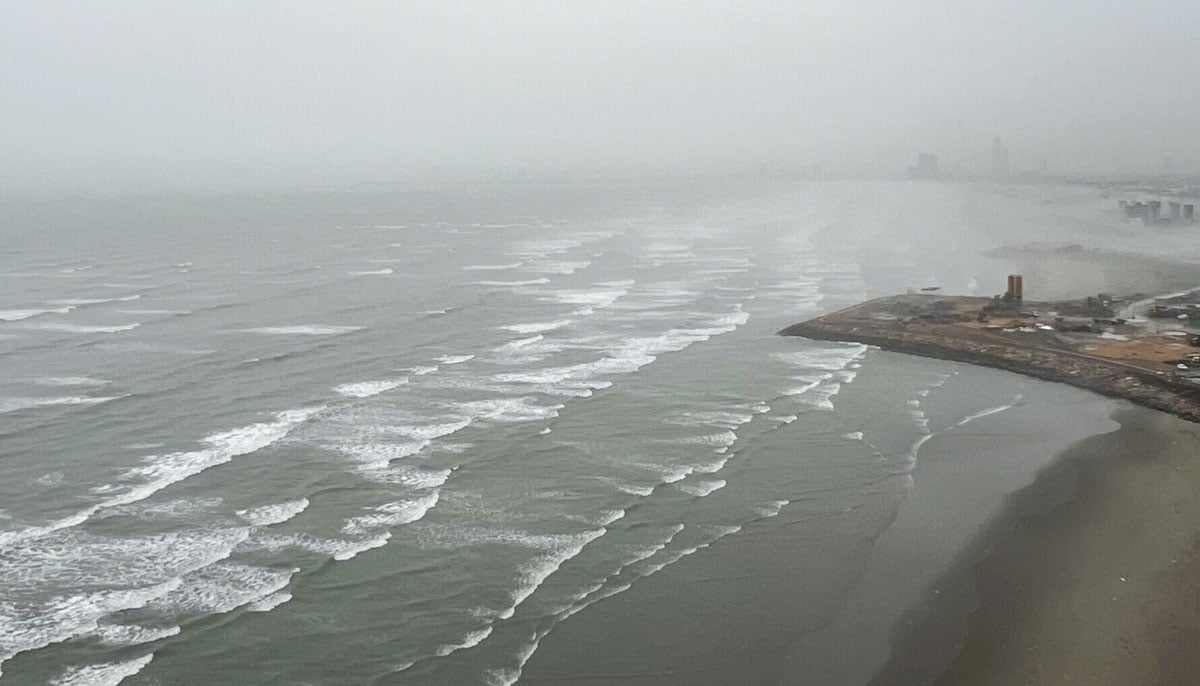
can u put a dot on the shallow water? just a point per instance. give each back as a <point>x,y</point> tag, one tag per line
<point>405,437</point>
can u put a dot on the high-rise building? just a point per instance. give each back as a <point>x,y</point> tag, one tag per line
<point>927,166</point>
<point>1000,163</point>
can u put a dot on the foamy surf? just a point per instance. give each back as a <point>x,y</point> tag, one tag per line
<point>17,404</point>
<point>702,488</point>
<point>161,471</point>
<point>492,267</point>
<point>104,674</point>
<point>391,514</point>
<point>501,284</point>
<point>63,327</point>
<point>267,515</point>
<point>18,315</point>
<point>70,381</point>
<point>302,330</point>
<point>92,301</point>
<point>535,572</point>
<point>536,327</point>
<point>366,389</point>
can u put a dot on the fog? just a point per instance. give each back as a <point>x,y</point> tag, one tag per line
<point>225,94</point>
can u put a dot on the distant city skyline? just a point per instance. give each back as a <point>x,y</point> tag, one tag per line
<point>232,94</point>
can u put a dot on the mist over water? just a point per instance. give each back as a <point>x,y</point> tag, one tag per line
<point>436,343</point>
<point>259,455</point>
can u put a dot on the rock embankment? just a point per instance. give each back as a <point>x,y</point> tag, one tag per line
<point>1159,391</point>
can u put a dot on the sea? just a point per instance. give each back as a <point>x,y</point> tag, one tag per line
<point>496,433</point>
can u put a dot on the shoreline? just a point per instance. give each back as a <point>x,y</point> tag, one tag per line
<point>1107,377</point>
<point>1091,574</point>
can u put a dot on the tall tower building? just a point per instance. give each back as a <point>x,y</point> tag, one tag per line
<point>1000,165</point>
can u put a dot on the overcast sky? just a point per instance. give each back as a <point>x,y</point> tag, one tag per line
<point>181,93</point>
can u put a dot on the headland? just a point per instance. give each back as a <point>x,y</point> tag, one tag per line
<point>1101,344</point>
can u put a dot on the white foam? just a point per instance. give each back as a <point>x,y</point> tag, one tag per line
<point>544,431</point>
<point>536,327</point>
<point>610,517</point>
<point>771,508</point>
<point>415,477</point>
<point>723,439</point>
<point>508,410</point>
<point>990,411</point>
<point>160,471</point>
<point>854,435</point>
<point>712,466</point>
<point>390,515</point>
<point>188,508</point>
<point>422,370</point>
<point>373,272</point>
<point>591,299</point>
<point>492,267</point>
<point>554,267</point>
<point>92,301</point>
<point>70,381</point>
<point>49,479</point>
<point>526,282</point>
<point>66,617</point>
<point>366,389</point>
<point>270,602</point>
<point>454,359</point>
<point>375,458</point>
<point>702,488</point>
<point>635,490</point>
<point>221,587</point>
<point>916,448</point>
<point>673,474</point>
<point>63,327</point>
<point>469,641</point>
<point>133,634</point>
<point>829,359</point>
<point>18,315</point>
<point>105,674</point>
<point>266,515</point>
<point>303,330</point>
<point>352,549</point>
<point>536,571</point>
<point>16,404</point>
<point>721,418</point>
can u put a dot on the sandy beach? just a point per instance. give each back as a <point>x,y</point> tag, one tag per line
<point>1090,576</point>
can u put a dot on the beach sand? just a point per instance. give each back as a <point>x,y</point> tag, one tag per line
<point>1091,575</point>
<point>999,564</point>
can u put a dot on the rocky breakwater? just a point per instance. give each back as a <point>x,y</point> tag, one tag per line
<point>874,323</point>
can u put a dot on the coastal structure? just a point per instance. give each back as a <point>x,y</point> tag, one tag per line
<point>1000,162</point>
<point>1151,211</point>
<point>927,166</point>
<point>1083,343</point>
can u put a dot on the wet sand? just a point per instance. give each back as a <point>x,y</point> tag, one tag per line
<point>1091,575</point>
<point>767,606</point>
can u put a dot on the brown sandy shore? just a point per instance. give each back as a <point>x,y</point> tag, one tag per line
<point>1092,573</point>
<point>1105,376</point>
<point>1090,576</point>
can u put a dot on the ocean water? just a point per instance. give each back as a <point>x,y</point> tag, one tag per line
<point>411,437</point>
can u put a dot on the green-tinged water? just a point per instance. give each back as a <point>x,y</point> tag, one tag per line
<point>416,437</point>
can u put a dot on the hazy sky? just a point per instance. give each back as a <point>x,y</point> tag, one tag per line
<point>243,92</point>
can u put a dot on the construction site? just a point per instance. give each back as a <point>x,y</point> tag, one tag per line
<point>1141,348</point>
